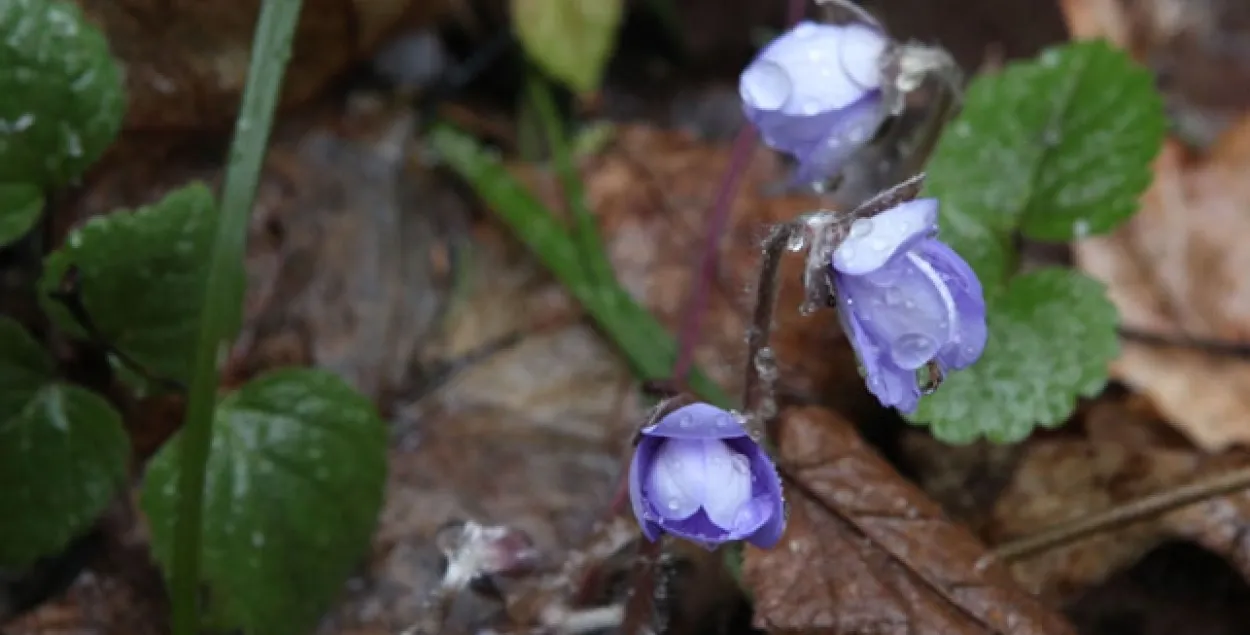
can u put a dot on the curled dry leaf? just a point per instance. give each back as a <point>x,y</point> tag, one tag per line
<point>866,552</point>
<point>186,61</point>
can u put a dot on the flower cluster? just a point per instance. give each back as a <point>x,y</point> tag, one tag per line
<point>907,301</point>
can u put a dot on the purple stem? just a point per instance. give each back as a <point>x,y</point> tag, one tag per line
<point>718,218</point>
<point>705,271</point>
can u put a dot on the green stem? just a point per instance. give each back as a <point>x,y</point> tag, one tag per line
<point>271,48</point>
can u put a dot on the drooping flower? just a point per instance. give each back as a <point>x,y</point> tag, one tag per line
<point>815,93</point>
<point>906,299</point>
<point>696,474</point>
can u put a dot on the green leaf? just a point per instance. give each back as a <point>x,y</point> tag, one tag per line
<point>644,342</point>
<point>61,95</point>
<point>294,486</point>
<point>1052,335</point>
<point>1059,147</point>
<point>141,278</point>
<point>63,452</point>
<point>570,39</point>
<point>20,206</point>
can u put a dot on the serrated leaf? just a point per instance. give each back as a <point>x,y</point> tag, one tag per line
<point>61,95</point>
<point>20,206</point>
<point>294,486</point>
<point>1059,146</point>
<point>140,276</point>
<point>63,452</point>
<point>1052,335</point>
<point>569,39</point>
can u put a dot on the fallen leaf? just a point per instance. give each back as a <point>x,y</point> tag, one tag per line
<point>866,552</point>
<point>1175,271</point>
<point>530,435</point>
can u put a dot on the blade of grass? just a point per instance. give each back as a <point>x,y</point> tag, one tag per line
<point>649,349</point>
<point>585,231</point>
<point>271,48</point>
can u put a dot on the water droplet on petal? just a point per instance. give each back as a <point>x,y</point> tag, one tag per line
<point>765,85</point>
<point>911,350</point>
<point>811,107</point>
<point>685,421</point>
<point>861,228</point>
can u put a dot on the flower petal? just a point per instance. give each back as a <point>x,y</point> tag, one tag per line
<point>699,529</point>
<point>845,132</point>
<point>811,55</point>
<point>905,308</point>
<point>875,241</point>
<point>676,482</point>
<point>766,487</point>
<point>697,421</point>
<point>860,54</point>
<point>644,456</point>
<point>727,493</point>
<point>893,387</point>
<point>971,333</point>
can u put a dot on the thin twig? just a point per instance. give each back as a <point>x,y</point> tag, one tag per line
<point>1117,517</point>
<point>1202,344</point>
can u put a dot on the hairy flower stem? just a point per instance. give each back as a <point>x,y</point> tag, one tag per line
<point>759,401</point>
<point>1123,515</point>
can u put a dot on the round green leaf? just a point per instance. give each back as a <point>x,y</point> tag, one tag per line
<point>569,39</point>
<point>1052,338</point>
<point>1059,147</point>
<point>20,206</point>
<point>61,95</point>
<point>63,453</point>
<point>295,483</point>
<point>140,277</point>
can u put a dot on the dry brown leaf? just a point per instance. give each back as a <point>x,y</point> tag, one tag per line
<point>867,552</point>
<point>186,61</point>
<point>532,436</point>
<point>1065,479</point>
<point>1177,269</point>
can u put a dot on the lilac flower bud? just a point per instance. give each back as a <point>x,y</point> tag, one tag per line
<point>815,93</point>
<point>906,299</point>
<point>696,474</point>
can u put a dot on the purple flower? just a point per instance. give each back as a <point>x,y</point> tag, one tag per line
<point>906,299</point>
<point>696,474</point>
<point>815,93</point>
